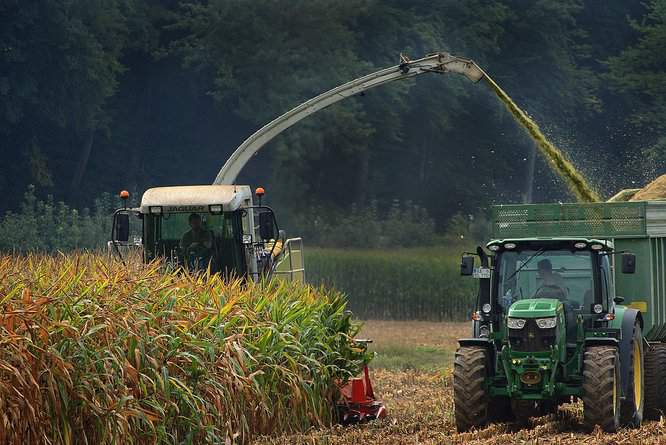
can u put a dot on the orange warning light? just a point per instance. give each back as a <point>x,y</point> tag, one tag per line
<point>124,194</point>
<point>260,191</point>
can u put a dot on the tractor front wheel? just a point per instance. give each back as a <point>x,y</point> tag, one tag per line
<point>470,371</point>
<point>655,381</point>
<point>601,387</point>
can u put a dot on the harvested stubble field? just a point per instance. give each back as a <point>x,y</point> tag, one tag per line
<point>420,403</point>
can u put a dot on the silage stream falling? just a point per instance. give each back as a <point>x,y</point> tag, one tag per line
<point>575,181</point>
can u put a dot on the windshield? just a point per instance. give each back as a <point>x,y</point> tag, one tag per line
<point>197,240</point>
<point>176,225</point>
<point>560,274</point>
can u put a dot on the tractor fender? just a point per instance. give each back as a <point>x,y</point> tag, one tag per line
<point>625,319</point>
<point>601,341</point>
<point>485,342</point>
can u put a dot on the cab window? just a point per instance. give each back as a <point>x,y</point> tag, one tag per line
<point>197,240</point>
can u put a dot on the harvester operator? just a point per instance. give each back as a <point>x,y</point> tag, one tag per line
<point>196,239</point>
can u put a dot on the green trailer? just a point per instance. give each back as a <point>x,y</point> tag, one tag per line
<point>572,305</point>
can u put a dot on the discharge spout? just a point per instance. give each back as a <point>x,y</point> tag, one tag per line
<point>440,63</point>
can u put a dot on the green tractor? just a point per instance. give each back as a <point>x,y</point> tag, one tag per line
<point>571,306</point>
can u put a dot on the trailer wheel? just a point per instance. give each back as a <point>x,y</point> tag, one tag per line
<point>631,412</point>
<point>655,381</point>
<point>601,388</point>
<point>470,371</point>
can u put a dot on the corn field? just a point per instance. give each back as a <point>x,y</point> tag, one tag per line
<point>93,352</point>
<point>400,284</point>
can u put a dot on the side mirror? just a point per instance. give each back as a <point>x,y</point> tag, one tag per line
<point>628,263</point>
<point>266,225</point>
<point>467,265</point>
<point>618,300</point>
<point>122,227</point>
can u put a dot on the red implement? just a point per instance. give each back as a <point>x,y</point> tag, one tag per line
<point>358,402</point>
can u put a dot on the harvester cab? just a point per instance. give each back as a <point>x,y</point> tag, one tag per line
<point>571,306</point>
<point>214,227</point>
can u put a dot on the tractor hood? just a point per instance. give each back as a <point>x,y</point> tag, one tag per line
<point>535,308</point>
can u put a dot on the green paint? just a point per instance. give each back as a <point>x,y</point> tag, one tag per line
<point>535,308</point>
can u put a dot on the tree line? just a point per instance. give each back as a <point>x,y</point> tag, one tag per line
<point>99,95</point>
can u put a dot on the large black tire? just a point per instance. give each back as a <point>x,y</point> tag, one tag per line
<point>655,381</point>
<point>601,387</point>
<point>631,410</point>
<point>470,371</point>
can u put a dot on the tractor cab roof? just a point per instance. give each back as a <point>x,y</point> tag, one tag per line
<point>550,243</point>
<point>196,198</point>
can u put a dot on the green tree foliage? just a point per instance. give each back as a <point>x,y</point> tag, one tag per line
<point>404,224</point>
<point>46,225</point>
<point>639,73</point>
<point>101,95</point>
<point>59,64</point>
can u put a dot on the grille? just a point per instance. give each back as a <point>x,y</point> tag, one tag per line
<point>531,338</point>
<point>605,220</point>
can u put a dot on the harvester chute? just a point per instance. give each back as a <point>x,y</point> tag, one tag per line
<point>439,63</point>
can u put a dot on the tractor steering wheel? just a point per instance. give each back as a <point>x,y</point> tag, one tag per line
<point>558,289</point>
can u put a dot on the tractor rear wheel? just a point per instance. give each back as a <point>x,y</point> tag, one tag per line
<point>631,412</point>
<point>470,371</point>
<point>601,387</point>
<point>655,381</point>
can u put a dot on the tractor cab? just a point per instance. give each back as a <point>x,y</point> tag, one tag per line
<point>211,227</point>
<point>546,291</point>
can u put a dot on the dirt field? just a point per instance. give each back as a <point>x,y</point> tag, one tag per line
<point>420,402</point>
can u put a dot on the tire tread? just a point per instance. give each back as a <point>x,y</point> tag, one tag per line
<point>655,381</point>
<point>600,365</point>
<point>470,398</point>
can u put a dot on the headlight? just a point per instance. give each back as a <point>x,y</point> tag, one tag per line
<point>215,209</point>
<point>516,323</point>
<point>547,323</point>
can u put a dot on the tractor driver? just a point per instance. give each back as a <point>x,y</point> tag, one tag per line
<point>197,239</point>
<point>552,283</point>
